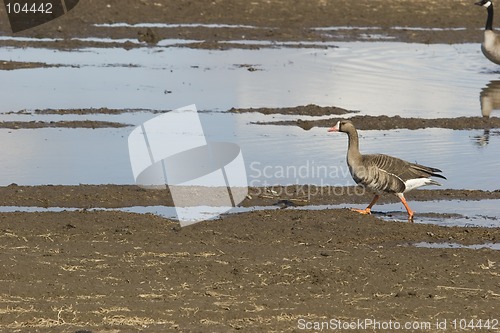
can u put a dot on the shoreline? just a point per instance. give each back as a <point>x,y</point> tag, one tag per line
<point>111,196</point>
<point>306,21</point>
<point>363,122</point>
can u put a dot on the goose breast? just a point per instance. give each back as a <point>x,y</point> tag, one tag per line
<point>491,46</point>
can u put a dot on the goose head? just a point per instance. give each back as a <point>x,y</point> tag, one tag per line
<point>345,126</point>
<point>484,3</point>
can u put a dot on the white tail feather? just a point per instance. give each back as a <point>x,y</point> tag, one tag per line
<point>412,184</point>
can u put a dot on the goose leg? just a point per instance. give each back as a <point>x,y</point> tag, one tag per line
<point>410,212</point>
<point>368,209</point>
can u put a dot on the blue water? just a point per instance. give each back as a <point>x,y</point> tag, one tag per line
<point>376,78</point>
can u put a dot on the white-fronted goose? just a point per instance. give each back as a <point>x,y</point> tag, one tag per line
<point>491,43</point>
<point>382,173</point>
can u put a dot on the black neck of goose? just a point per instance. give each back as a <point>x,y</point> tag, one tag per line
<point>489,20</point>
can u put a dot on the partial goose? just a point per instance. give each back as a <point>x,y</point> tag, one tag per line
<point>491,43</point>
<point>382,173</point>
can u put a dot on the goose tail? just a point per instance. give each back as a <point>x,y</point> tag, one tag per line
<point>433,182</point>
<point>430,172</point>
<point>412,184</point>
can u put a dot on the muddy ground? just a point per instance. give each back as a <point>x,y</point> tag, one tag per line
<point>255,272</point>
<point>113,196</point>
<point>362,122</point>
<point>276,20</point>
<point>264,271</point>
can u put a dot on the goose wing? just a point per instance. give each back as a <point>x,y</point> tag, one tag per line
<point>389,174</point>
<point>378,172</point>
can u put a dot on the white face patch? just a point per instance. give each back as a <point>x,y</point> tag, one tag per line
<point>487,4</point>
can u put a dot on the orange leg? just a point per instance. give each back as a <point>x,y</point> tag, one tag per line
<point>368,209</point>
<point>410,212</point>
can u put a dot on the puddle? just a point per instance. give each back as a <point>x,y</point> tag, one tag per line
<point>178,25</point>
<point>442,213</point>
<point>419,80</point>
<point>392,212</point>
<point>371,35</point>
<point>27,209</point>
<point>292,155</point>
<point>491,246</point>
<point>28,39</point>
<point>243,26</point>
<point>449,213</point>
<point>195,213</point>
<point>164,42</point>
<point>339,28</point>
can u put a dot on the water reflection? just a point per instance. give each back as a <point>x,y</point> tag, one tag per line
<point>421,81</point>
<point>490,101</point>
<point>428,81</point>
<point>490,98</point>
<point>483,139</point>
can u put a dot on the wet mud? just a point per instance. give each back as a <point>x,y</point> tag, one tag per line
<point>277,21</point>
<point>306,110</point>
<point>112,196</point>
<point>60,124</point>
<point>271,271</point>
<point>363,122</point>
<point>12,65</point>
<point>397,122</point>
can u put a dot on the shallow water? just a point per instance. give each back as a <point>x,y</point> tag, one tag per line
<point>444,213</point>
<point>291,155</point>
<point>373,77</point>
<point>462,213</point>
<point>492,246</point>
<point>377,78</point>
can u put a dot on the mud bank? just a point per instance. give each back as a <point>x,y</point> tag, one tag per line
<point>209,24</point>
<point>113,271</point>
<point>364,122</point>
<point>397,122</point>
<point>110,196</point>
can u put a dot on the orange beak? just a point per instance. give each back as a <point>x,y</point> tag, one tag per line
<point>334,128</point>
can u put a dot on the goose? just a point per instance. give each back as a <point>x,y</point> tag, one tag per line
<point>382,173</point>
<point>491,43</point>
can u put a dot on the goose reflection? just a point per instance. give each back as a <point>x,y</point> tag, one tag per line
<point>490,101</point>
<point>490,98</point>
<point>483,139</point>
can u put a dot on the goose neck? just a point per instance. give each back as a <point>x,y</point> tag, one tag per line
<point>353,146</point>
<point>489,20</point>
